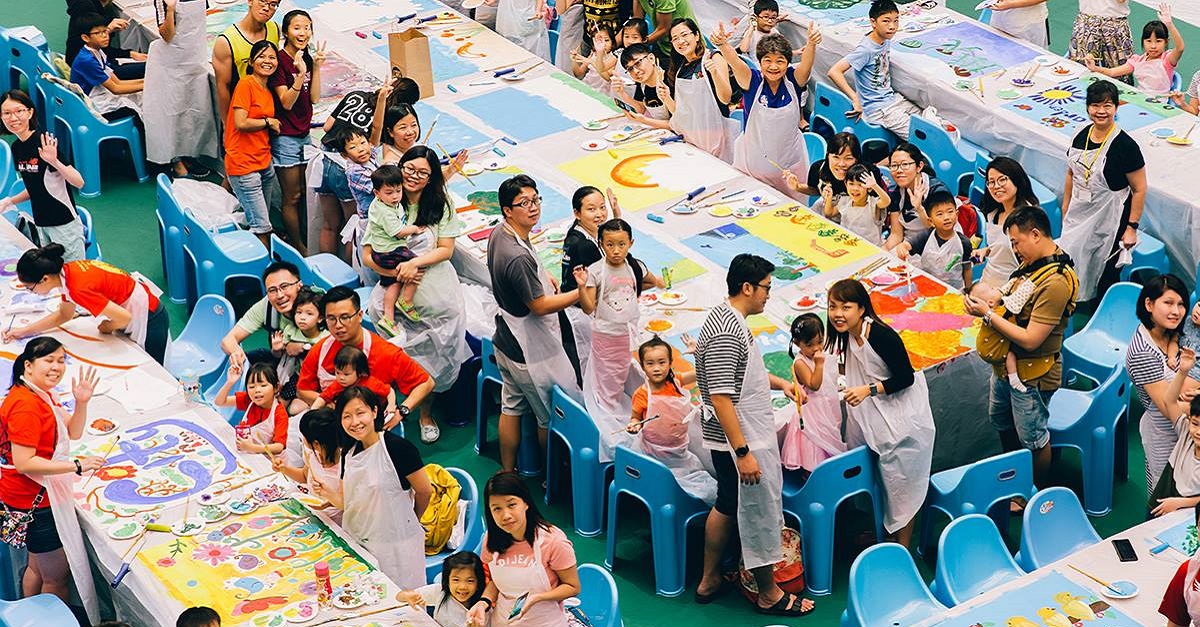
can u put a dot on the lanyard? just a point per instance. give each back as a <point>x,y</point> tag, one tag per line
<point>1087,166</point>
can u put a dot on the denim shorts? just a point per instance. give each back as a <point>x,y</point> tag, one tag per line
<point>254,192</point>
<point>333,181</point>
<point>41,536</point>
<point>287,151</point>
<point>1028,412</point>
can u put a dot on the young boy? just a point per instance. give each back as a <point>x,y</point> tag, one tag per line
<point>872,96</point>
<point>650,102</point>
<point>388,233</point>
<point>350,368</point>
<point>111,96</point>
<point>766,17</point>
<point>198,617</point>
<point>945,253</point>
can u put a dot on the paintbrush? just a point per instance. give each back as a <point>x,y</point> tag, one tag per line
<point>522,72</point>
<point>187,502</point>
<point>1094,578</point>
<point>457,168</point>
<point>127,559</point>
<point>244,483</point>
<point>709,195</point>
<point>869,268</point>
<point>1189,131</point>
<point>266,451</point>
<point>429,133</point>
<point>642,423</point>
<point>634,135</point>
<point>1032,68</point>
<point>777,166</point>
<point>105,456</point>
<point>506,65</point>
<point>611,117</point>
<point>354,615</point>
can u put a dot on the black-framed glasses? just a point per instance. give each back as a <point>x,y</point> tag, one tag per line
<point>342,319</point>
<point>413,173</point>
<point>637,62</point>
<point>275,290</point>
<point>529,203</point>
<point>766,287</point>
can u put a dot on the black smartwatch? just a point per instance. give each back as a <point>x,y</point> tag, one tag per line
<point>742,450</point>
<point>1133,225</point>
<point>404,411</point>
<point>78,467</point>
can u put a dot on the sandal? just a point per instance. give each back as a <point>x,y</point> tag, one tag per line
<point>787,605</point>
<point>705,599</point>
<point>408,311</point>
<point>387,326</point>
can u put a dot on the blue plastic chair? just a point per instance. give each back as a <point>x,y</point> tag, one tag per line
<point>671,511</point>
<point>815,505</point>
<point>198,347</point>
<point>598,597</point>
<point>472,533</point>
<point>1047,199</point>
<point>953,162</point>
<point>1100,345</point>
<point>1055,526</point>
<point>886,589</point>
<point>323,270</point>
<point>972,559</point>
<point>170,241</point>
<point>1196,288</point>
<point>36,611</point>
<point>488,372</point>
<point>230,414</point>
<point>91,245</point>
<point>976,488</point>
<point>829,109</point>
<point>816,146</point>
<point>1176,82</point>
<point>216,258</point>
<point>1149,255</point>
<point>8,173</point>
<point>1092,422</point>
<point>25,59</point>
<point>573,427</point>
<point>6,71</point>
<point>86,132</point>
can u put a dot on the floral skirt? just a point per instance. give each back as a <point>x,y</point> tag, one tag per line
<point>1105,40</point>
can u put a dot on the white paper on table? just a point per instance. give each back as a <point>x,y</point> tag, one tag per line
<point>139,391</point>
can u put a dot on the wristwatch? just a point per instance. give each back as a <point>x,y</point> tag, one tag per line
<point>78,467</point>
<point>874,387</point>
<point>1133,225</point>
<point>404,411</point>
<point>742,450</point>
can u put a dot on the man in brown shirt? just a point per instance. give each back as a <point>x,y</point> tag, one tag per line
<point>1021,417</point>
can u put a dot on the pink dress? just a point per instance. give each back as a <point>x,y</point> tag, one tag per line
<point>819,436</point>
<point>1152,75</point>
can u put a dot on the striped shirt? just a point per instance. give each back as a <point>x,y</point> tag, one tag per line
<point>1146,364</point>
<point>722,350</point>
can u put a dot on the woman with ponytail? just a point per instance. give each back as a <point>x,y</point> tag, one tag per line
<point>118,300</point>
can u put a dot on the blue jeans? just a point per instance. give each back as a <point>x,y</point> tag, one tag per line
<point>254,192</point>
<point>1026,412</point>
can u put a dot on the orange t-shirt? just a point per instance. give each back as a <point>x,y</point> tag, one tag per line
<point>640,402</point>
<point>248,151</point>
<point>26,420</point>
<point>93,284</point>
<point>380,389</point>
<point>256,414</point>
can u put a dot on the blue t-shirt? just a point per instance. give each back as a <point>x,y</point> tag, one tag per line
<point>872,67</point>
<point>770,100</point>
<point>87,70</point>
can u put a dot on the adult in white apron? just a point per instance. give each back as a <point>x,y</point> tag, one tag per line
<point>698,114</point>
<point>177,102</point>
<point>1028,23</point>
<point>39,369</point>
<point>915,181</point>
<point>1006,187</point>
<point>521,22</point>
<point>1001,262</point>
<point>610,362</point>
<point>570,32</point>
<point>378,510</point>
<point>666,439</point>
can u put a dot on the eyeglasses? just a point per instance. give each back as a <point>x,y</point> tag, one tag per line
<point>905,165</point>
<point>1000,181</point>
<point>682,36</point>
<point>767,18</point>
<point>766,287</point>
<point>272,5</point>
<point>529,203</point>
<point>342,319</point>
<point>97,32</point>
<point>637,62</point>
<point>276,290</point>
<point>415,174</point>
<point>12,113</point>
<point>33,286</point>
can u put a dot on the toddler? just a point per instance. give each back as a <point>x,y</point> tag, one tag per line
<point>463,581</point>
<point>992,297</point>
<point>264,427</point>
<point>858,210</point>
<point>390,237</point>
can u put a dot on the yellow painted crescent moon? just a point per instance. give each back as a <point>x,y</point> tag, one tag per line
<point>629,173</point>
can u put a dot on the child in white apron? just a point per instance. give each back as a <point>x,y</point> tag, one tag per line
<point>819,434</point>
<point>858,210</point>
<point>264,427</point>
<point>320,468</point>
<point>461,587</point>
<point>944,252</point>
<point>596,70</point>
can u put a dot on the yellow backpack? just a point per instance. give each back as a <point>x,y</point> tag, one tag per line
<point>993,346</point>
<point>439,518</point>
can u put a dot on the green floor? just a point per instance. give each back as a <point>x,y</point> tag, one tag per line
<point>126,226</point>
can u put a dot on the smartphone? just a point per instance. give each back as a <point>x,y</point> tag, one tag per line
<point>624,106</point>
<point>520,603</point>
<point>1125,550</point>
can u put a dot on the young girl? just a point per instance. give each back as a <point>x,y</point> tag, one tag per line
<point>296,85</point>
<point>291,348</point>
<point>596,69</point>
<point>581,248</point>
<point>1153,70</point>
<point>462,585</point>
<point>610,296</point>
<point>662,410</point>
<point>821,416</point>
<point>350,368</point>
<point>862,209</point>
<point>320,466</point>
<point>264,428</point>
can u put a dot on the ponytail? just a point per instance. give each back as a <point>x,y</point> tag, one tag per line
<point>36,263</point>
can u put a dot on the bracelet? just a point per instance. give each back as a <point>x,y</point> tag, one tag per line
<point>78,467</point>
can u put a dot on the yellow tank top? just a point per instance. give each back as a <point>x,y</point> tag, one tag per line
<point>240,47</point>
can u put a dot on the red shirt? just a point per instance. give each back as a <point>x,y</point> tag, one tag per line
<point>26,420</point>
<point>1173,606</point>
<point>94,284</point>
<point>256,414</point>
<point>387,362</point>
<point>380,388</point>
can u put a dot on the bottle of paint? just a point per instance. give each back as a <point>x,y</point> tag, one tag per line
<point>324,585</point>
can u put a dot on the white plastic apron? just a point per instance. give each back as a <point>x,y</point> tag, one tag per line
<point>822,417</point>
<point>1001,262</point>
<point>698,118</point>
<point>943,261</point>
<point>666,439</point>
<point>861,220</point>
<point>1028,23</point>
<point>514,23</point>
<point>326,377</point>
<point>103,100</point>
<point>1090,226</point>
<point>898,427</point>
<point>610,361</point>
<point>570,36</point>
<point>658,112</point>
<point>329,478</point>
<point>264,432</point>
<point>594,80</point>
<point>177,102</point>
<point>60,489</point>
<point>379,514</point>
<point>1190,595</point>
<point>772,134</point>
<point>514,581</point>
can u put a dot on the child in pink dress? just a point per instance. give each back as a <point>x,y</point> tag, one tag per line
<point>1154,69</point>
<point>819,436</point>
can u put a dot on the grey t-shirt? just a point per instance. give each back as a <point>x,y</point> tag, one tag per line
<point>515,283</point>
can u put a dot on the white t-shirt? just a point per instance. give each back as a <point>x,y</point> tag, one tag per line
<point>616,297</point>
<point>1183,461</point>
<point>1104,8</point>
<point>451,613</point>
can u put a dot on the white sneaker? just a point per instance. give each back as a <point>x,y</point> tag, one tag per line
<point>430,433</point>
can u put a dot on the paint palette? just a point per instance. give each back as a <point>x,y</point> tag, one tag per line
<point>189,526</point>
<point>471,169</point>
<point>495,163</point>
<point>512,77</point>
<point>672,299</point>
<point>807,303</point>
<point>683,209</point>
<point>1163,133</point>
<point>591,125</point>
<point>102,426</point>
<point>1008,94</point>
<point>593,146</point>
<point>129,528</point>
<point>1123,589</point>
<point>1022,82</point>
<point>659,326</point>
<point>1179,141</point>
<point>213,513</point>
<point>616,136</point>
<point>241,507</point>
<point>348,598</point>
<point>649,299</point>
<point>301,612</point>
<point>720,211</point>
<point>884,278</point>
<point>745,213</point>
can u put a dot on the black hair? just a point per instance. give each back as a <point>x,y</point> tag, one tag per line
<point>747,268</point>
<point>387,174</point>
<point>394,114</point>
<point>843,141</point>
<point>510,484</point>
<point>640,24</point>
<point>434,201</point>
<point>882,7</point>
<point>198,617</point>
<point>1155,288</point>
<point>805,328</point>
<point>1027,219</point>
<point>346,133</point>
<point>1155,29</point>
<point>914,152</point>
<point>1017,176</point>
<point>264,370</point>
<point>338,294</point>
<point>463,560</point>
<point>369,398</point>
<point>678,60</point>
<point>765,5</point>
<point>322,426</point>
<point>36,263</point>
<point>856,172</point>
<point>847,291</point>
<point>1103,91</point>
<point>257,49</point>
<point>585,191</point>
<point>616,225</point>
<point>404,91</point>
<point>309,296</point>
<point>634,50</point>
<point>939,198</point>
<point>1194,410</point>
<point>91,21</point>
<point>657,342</point>
<point>773,44</point>
<point>114,623</point>
<point>37,348</point>
<point>280,266</point>
<point>352,357</point>
<point>287,21</point>
<point>511,188</point>
<point>23,99</point>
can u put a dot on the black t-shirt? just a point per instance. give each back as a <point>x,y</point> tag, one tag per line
<point>819,171</point>
<point>405,456</point>
<point>50,195</point>
<point>647,96</point>
<point>1122,157</point>
<point>356,110</point>
<point>578,250</point>
<point>690,70</point>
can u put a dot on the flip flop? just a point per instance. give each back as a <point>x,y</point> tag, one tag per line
<point>705,599</point>
<point>787,605</point>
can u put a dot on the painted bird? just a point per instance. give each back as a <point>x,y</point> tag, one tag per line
<point>1053,618</point>
<point>1020,621</point>
<point>1074,607</point>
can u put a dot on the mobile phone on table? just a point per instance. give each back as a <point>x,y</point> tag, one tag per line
<point>520,604</point>
<point>1125,550</point>
<point>624,106</point>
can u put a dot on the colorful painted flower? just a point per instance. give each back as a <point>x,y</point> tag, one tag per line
<point>213,553</point>
<point>282,553</point>
<point>307,529</point>
<point>112,473</point>
<point>261,522</point>
<point>166,562</point>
